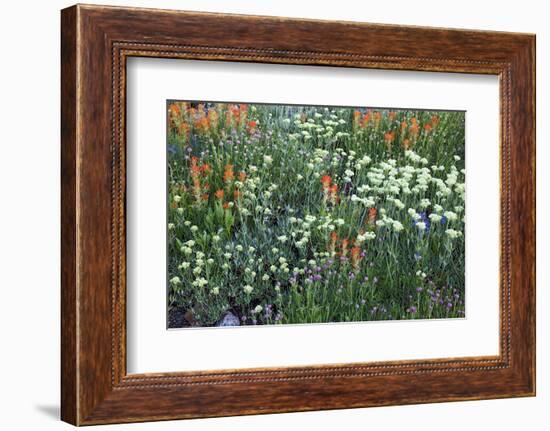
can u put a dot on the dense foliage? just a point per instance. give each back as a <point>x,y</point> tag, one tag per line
<point>301,214</point>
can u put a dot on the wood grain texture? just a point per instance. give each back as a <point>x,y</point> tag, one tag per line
<point>96,41</point>
<point>69,397</point>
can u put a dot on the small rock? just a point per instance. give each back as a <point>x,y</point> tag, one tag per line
<point>229,319</point>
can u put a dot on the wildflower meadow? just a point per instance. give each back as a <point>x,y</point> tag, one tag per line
<point>281,214</point>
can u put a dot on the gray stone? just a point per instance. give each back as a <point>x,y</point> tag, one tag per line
<point>229,319</point>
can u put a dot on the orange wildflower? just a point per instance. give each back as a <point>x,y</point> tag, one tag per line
<point>373,212</point>
<point>356,118</point>
<point>345,244</point>
<point>174,109</point>
<point>392,115</point>
<point>243,114</point>
<point>333,240</point>
<point>225,205</point>
<point>242,176</point>
<point>202,124</point>
<point>427,127</point>
<point>355,257</point>
<point>237,195</point>
<point>403,126</point>
<point>183,129</point>
<point>334,199</point>
<point>205,169</point>
<point>406,144</point>
<point>195,177</point>
<point>219,194</point>
<point>366,119</point>
<point>236,115</point>
<point>414,130</point>
<point>252,126</point>
<point>389,138</point>
<point>435,120</point>
<point>231,117</point>
<point>228,174</point>
<point>204,197</point>
<point>213,118</point>
<point>376,116</point>
<point>326,181</point>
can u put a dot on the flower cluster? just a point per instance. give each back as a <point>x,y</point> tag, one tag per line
<point>298,214</point>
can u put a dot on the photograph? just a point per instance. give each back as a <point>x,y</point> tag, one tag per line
<point>300,214</point>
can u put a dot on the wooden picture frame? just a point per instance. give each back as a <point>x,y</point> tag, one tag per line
<point>95,43</point>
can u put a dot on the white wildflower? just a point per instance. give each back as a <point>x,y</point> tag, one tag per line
<point>453,234</point>
<point>175,280</point>
<point>451,216</point>
<point>200,282</point>
<point>435,218</point>
<point>398,204</point>
<point>397,226</point>
<point>424,203</point>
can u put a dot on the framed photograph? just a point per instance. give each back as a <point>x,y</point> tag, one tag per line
<point>283,215</point>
